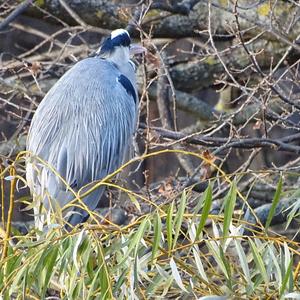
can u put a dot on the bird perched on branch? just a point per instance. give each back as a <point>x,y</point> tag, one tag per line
<point>83,129</point>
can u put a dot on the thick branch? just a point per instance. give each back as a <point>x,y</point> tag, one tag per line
<point>198,74</point>
<point>179,19</point>
<point>18,11</point>
<point>242,143</point>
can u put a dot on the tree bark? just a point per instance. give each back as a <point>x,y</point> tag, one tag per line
<point>176,22</point>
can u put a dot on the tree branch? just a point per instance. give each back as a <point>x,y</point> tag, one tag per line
<point>15,13</point>
<point>242,143</point>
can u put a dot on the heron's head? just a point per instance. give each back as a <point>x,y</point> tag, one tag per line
<point>118,48</point>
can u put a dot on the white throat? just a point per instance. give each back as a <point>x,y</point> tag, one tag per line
<point>120,56</point>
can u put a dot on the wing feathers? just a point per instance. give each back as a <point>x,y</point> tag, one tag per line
<point>84,125</point>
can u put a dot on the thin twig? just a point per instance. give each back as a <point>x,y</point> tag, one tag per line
<point>72,13</point>
<point>225,143</point>
<point>15,13</point>
<point>10,211</point>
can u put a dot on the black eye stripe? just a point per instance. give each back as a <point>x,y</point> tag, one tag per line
<point>120,40</point>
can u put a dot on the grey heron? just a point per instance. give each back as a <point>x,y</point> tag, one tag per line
<point>83,128</point>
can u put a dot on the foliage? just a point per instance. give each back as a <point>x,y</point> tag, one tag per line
<point>167,253</point>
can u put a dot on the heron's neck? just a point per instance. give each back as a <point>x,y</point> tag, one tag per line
<point>120,56</point>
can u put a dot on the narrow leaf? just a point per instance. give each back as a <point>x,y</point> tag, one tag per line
<point>78,242</point>
<point>199,263</point>
<point>94,284</point>
<point>169,226</point>
<point>49,265</point>
<point>179,218</point>
<point>293,295</point>
<point>286,278</point>
<point>259,261</point>
<point>243,262</point>
<point>176,274</point>
<point>134,243</point>
<point>274,203</point>
<point>229,208</point>
<point>135,202</point>
<point>157,236</point>
<point>207,200</point>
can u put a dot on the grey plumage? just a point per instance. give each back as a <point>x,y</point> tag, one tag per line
<point>83,128</point>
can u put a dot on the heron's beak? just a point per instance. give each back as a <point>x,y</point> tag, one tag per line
<point>137,49</point>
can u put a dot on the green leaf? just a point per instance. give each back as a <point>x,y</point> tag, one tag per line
<point>207,200</point>
<point>170,226</point>
<point>288,275</point>
<point>229,208</point>
<point>227,267</point>
<point>294,212</point>
<point>12,263</point>
<point>75,285</point>
<point>155,284</point>
<point>135,241</point>
<point>276,268</point>
<point>135,202</point>
<point>214,248</point>
<point>179,218</point>
<point>103,280</point>
<point>24,284</point>
<point>40,257</point>
<point>259,261</point>
<point>94,285</point>
<point>121,280</point>
<point>17,279</point>
<point>274,203</point>
<point>79,240</point>
<point>176,275</point>
<point>243,262</point>
<point>105,283</point>
<point>48,267</point>
<point>157,236</point>
<point>198,262</point>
